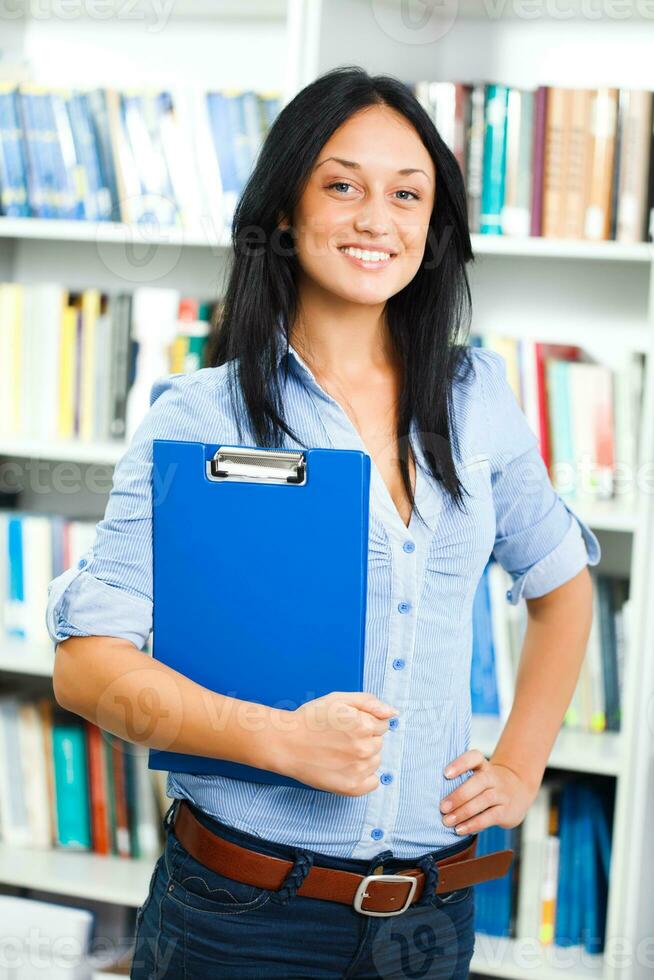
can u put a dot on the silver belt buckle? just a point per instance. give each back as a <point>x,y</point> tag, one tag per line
<point>362,893</point>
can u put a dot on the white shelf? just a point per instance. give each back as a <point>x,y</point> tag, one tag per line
<point>562,248</point>
<point>108,232</point>
<point>121,881</point>
<point>620,514</point>
<point>588,752</point>
<point>575,10</point>
<point>73,450</point>
<point>190,10</point>
<point>18,657</point>
<point>497,956</point>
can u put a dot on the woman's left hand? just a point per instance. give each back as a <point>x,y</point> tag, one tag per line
<point>493,795</point>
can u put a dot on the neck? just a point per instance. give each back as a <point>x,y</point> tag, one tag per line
<point>341,339</point>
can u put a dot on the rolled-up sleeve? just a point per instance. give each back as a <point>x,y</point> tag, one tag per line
<point>108,591</point>
<point>540,541</point>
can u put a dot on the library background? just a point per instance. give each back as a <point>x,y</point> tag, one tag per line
<point>126,134</point>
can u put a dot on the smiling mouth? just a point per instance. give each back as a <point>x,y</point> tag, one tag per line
<point>370,257</point>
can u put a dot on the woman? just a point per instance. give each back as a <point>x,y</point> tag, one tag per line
<point>346,299</point>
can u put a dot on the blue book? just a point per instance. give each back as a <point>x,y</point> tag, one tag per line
<point>35,189</point>
<point>69,170</point>
<point>95,103</point>
<point>46,151</point>
<point>86,129</point>
<point>600,818</point>
<point>252,123</point>
<point>590,931</point>
<point>224,124</point>
<point>576,869</point>
<point>271,107</point>
<point>602,830</point>
<point>13,165</point>
<point>84,176</point>
<point>494,165</point>
<point>562,920</point>
<point>71,785</point>
<point>15,610</point>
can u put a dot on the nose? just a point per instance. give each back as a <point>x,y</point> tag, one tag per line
<point>373,217</point>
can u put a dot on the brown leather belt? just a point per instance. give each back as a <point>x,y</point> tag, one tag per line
<point>376,894</point>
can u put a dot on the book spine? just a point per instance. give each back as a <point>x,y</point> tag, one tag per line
<point>538,158</point>
<point>492,198</point>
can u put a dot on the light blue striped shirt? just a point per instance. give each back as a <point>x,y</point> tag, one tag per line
<point>421,586</point>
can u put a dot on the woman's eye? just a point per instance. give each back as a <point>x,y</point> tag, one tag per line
<point>344,183</point>
<point>339,183</point>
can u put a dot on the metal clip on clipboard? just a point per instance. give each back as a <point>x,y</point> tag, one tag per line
<point>257,465</point>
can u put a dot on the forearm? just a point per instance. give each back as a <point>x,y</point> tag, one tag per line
<point>128,693</point>
<point>554,646</point>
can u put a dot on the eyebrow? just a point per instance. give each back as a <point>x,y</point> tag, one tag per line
<point>405,171</point>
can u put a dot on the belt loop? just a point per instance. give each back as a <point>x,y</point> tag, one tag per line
<point>169,815</point>
<point>293,880</point>
<point>428,865</point>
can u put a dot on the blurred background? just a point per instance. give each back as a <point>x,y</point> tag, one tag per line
<point>127,130</point>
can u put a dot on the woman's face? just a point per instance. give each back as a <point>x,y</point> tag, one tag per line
<point>357,196</point>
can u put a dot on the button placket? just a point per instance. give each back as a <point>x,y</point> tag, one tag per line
<point>383,803</point>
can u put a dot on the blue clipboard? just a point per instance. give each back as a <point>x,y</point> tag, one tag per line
<point>260,564</point>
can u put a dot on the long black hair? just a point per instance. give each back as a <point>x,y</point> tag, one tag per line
<point>425,319</point>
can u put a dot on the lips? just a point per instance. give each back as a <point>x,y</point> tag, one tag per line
<point>371,265</point>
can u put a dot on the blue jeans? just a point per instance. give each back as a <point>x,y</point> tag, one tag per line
<point>196,924</point>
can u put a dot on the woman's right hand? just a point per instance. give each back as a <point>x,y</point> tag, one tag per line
<point>333,742</point>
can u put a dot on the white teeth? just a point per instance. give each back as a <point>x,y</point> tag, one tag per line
<point>366,256</point>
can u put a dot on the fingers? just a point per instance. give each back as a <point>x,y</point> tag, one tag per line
<point>371,704</point>
<point>477,783</point>
<point>491,797</point>
<point>472,759</point>
<point>489,817</point>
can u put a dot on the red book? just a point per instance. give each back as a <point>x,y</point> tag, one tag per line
<point>122,825</point>
<point>97,791</point>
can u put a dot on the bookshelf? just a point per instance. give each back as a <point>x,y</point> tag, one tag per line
<point>109,232</point>
<point>122,881</point>
<point>496,956</point>
<point>597,294</point>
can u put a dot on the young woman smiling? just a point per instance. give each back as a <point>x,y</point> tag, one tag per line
<point>343,326</point>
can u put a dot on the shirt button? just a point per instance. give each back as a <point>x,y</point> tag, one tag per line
<point>409,547</point>
<point>404,607</point>
<point>393,723</point>
<point>386,778</point>
<point>82,563</point>
<point>398,663</point>
<point>509,594</point>
<point>376,833</point>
